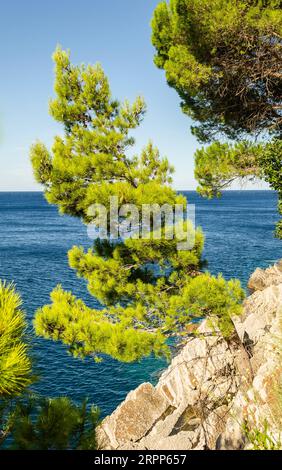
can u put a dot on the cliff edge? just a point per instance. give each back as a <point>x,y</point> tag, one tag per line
<point>202,400</point>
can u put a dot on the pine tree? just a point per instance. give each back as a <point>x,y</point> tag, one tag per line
<point>224,60</point>
<point>148,288</point>
<point>53,424</point>
<point>220,164</point>
<point>28,421</point>
<point>15,363</point>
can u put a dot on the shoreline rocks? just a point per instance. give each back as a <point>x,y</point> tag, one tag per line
<point>262,278</point>
<point>200,401</point>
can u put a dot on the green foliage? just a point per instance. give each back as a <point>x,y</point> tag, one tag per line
<point>219,164</point>
<point>33,423</point>
<point>94,147</point>
<point>128,336</point>
<point>48,424</point>
<point>147,286</point>
<point>15,364</point>
<point>223,58</point>
<point>223,301</point>
<point>271,164</point>
<point>88,331</point>
<point>7,416</point>
<point>261,439</point>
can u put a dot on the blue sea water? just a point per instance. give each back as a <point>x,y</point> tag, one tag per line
<point>34,241</point>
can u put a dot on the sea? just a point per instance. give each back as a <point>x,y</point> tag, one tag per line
<point>35,239</point>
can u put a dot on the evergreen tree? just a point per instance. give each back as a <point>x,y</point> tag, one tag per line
<point>53,424</point>
<point>15,363</point>
<point>224,59</point>
<point>147,287</point>
<point>32,422</point>
<point>220,164</point>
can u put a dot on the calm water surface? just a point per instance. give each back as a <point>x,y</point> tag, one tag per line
<point>34,241</point>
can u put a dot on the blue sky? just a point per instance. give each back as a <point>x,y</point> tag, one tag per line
<point>115,33</point>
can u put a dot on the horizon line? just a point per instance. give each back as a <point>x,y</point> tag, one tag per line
<point>178,190</point>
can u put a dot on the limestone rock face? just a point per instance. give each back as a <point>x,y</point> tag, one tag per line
<point>201,400</point>
<point>261,279</point>
<point>134,418</point>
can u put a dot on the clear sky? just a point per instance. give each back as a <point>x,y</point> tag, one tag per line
<point>115,33</point>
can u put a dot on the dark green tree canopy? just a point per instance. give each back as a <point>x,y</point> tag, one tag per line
<point>224,59</point>
<point>39,423</point>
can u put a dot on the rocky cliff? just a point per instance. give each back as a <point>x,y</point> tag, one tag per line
<point>203,400</point>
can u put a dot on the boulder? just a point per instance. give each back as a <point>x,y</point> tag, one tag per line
<point>262,278</point>
<point>134,418</point>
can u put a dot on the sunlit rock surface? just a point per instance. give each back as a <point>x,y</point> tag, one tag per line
<point>202,400</point>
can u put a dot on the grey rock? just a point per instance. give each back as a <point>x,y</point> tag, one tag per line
<point>200,401</point>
